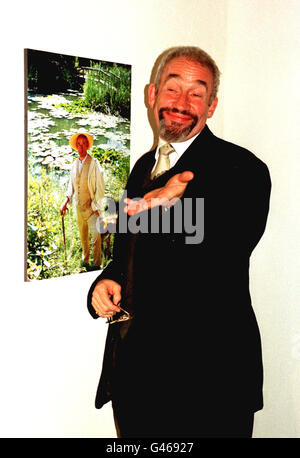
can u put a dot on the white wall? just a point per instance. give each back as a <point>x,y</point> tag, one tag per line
<point>51,348</point>
<point>261,106</point>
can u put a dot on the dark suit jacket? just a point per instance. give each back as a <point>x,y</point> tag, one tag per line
<point>194,334</point>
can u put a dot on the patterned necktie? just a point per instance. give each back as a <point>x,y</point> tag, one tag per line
<point>163,163</point>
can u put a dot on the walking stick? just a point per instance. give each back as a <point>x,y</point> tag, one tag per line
<point>64,235</point>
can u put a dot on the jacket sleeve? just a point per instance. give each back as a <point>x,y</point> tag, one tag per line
<point>250,209</point>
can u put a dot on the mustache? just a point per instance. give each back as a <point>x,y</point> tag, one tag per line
<point>175,110</point>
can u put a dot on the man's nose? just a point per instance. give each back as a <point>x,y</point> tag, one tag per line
<point>182,101</point>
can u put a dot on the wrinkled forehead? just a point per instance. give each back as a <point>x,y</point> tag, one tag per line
<point>188,70</point>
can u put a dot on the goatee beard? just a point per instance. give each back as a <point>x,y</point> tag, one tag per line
<point>175,132</point>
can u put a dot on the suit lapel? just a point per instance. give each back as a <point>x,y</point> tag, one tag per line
<point>198,153</point>
<point>196,159</point>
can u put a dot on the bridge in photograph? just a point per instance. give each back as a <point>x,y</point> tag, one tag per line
<point>105,77</point>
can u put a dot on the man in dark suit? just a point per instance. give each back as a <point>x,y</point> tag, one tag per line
<point>189,363</point>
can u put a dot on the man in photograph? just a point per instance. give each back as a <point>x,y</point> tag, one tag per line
<point>188,363</point>
<point>86,185</point>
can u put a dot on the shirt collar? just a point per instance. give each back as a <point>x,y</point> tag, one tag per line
<point>179,147</point>
<point>81,162</point>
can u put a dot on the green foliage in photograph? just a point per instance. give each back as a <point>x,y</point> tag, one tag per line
<point>49,72</point>
<point>79,106</point>
<point>68,94</point>
<point>116,169</point>
<point>107,89</point>
<point>46,255</point>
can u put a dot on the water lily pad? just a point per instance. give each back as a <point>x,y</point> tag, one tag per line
<point>48,160</point>
<point>55,154</point>
<point>50,127</point>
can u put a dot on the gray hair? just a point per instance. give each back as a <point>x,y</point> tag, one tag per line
<point>192,53</point>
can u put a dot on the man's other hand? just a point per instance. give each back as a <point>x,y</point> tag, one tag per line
<point>64,207</point>
<point>105,297</point>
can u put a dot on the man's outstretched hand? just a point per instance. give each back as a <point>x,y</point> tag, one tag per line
<point>166,196</point>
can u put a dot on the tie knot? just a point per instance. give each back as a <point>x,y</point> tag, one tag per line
<point>166,149</point>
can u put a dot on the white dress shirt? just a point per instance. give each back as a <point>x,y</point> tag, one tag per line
<point>80,164</point>
<point>179,148</point>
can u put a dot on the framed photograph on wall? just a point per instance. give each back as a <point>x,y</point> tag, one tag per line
<point>77,154</point>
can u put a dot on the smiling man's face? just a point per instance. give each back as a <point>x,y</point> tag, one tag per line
<point>181,103</point>
<point>82,145</point>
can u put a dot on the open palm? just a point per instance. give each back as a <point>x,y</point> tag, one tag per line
<point>166,196</point>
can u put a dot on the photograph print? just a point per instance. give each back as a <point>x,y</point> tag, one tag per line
<point>77,158</point>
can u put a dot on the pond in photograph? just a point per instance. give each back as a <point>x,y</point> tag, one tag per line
<point>50,127</point>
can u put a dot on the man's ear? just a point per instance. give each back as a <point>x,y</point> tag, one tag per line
<point>212,107</point>
<point>151,95</point>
